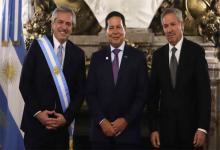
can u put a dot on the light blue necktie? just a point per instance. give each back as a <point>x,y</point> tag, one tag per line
<point>60,53</point>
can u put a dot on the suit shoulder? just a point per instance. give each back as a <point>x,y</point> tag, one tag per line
<point>193,46</point>
<point>34,48</point>
<point>75,48</point>
<point>160,50</point>
<point>191,43</point>
<point>135,51</point>
<point>100,52</point>
<point>33,44</point>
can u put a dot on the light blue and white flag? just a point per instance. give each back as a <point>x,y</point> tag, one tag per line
<point>12,52</point>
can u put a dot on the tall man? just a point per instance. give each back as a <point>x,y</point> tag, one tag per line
<point>116,90</point>
<point>180,85</point>
<point>52,85</point>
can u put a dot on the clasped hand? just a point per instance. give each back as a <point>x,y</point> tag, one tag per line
<point>53,123</point>
<point>115,128</point>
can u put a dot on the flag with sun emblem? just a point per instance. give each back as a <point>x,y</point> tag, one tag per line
<point>12,53</point>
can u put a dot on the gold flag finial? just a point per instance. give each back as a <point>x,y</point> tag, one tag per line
<point>71,143</point>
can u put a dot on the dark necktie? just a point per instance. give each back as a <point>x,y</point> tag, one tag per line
<point>60,53</point>
<point>115,64</point>
<point>173,67</point>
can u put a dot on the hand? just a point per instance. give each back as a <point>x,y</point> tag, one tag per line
<point>107,128</point>
<point>199,139</point>
<point>119,125</point>
<point>44,118</point>
<point>155,139</point>
<point>57,121</point>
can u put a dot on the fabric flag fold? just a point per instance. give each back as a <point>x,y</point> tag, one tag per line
<point>12,53</point>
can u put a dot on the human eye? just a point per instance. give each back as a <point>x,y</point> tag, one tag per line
<point>165,26</point>
<point>68,24</point>
<point>110,27</point>
<point>59,21</point>
<point>119,27</point>
<point>173,24</point>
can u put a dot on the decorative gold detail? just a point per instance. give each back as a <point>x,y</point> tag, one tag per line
<point>56,70</point>
<point>210,24</point>
<point>4,43</point>
<point>201,17</point>
<point>148,52</point>
<point>41,24</point>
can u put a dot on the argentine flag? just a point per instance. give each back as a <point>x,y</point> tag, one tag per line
<point>12,52</point>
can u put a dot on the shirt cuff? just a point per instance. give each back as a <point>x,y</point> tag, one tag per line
<point>36,113</point>
<point>102,121</point>
<point>203,130</point>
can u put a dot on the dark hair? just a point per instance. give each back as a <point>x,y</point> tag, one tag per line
<point>114,14</point>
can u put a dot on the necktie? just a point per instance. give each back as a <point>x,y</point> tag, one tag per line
<point>115,64</point>
<point>60,53</point>
<point>173,67</point>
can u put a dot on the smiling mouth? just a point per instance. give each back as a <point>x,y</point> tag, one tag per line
<point>63,33</point>
<point>115,38</point>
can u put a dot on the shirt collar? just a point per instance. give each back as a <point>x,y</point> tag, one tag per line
<point>57,43</point>
<point>120,47</point>
<point>177,46</point>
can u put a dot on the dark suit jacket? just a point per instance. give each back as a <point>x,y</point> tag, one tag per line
<point>125,99</point>
<point>38,88</point>
<point>186,107</point>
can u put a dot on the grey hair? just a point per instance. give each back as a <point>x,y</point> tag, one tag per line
<point>63,9</point>
<point>177,12</point>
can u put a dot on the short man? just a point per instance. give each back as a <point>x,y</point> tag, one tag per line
<point>52,93</point>
<point>116,90</point>
<point>181,95</point>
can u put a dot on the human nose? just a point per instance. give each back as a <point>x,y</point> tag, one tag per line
<point>64,26</point>
<point>169,29</point>
<point>115,31</point>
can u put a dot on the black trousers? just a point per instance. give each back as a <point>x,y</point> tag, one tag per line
<point>114,145</point>
<point>56,140</point>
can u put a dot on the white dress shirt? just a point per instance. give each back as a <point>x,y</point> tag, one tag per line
<point>56,45</point>
<point>120,54</point>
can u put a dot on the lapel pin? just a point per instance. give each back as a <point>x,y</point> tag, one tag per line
<point>106,58</point>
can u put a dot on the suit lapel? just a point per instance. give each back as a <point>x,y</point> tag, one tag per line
<point>182,60</point>
<point>124,63</point>
<point>107,65</point>
<point>67,57</point>
<point>166,68</point>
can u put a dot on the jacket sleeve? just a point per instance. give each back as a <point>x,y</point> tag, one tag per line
<point>27,79</point>
<point>91,91</point>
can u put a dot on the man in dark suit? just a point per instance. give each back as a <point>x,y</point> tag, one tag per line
<point>44,122</point>
<point>116,90</point>
<point>180,97</point>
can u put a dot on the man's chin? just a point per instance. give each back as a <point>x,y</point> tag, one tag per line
<point>63,39</point>
<point>171,41</point>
